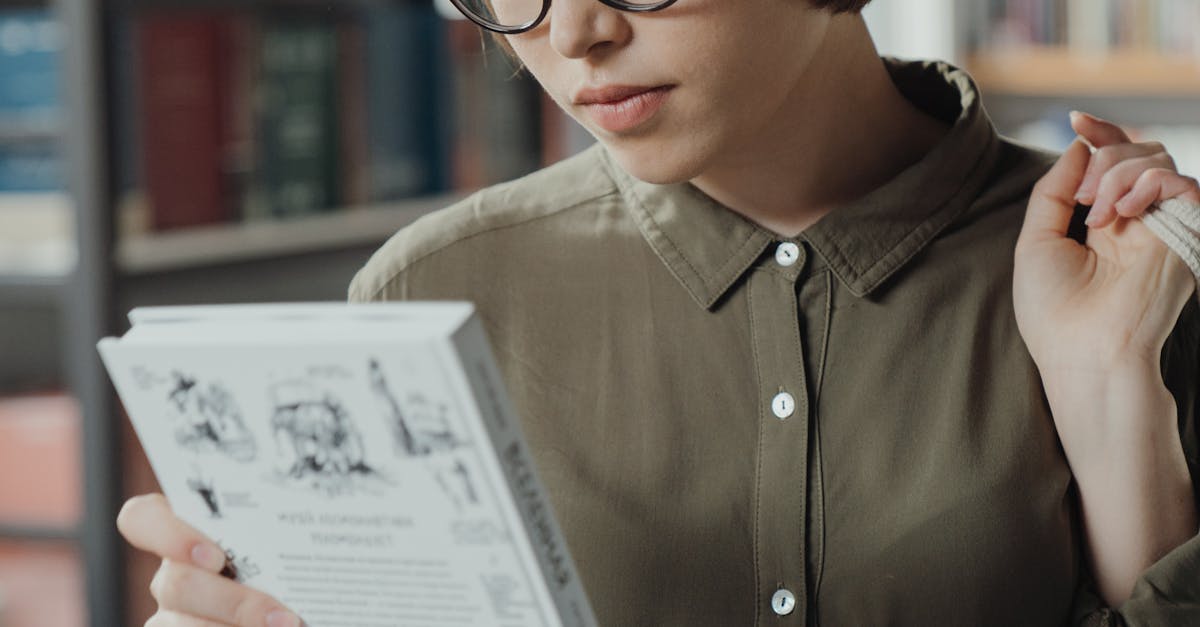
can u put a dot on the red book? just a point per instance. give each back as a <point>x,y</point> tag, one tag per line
<point>182,78</point>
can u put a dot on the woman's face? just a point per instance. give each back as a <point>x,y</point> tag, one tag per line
<point>734,67</point>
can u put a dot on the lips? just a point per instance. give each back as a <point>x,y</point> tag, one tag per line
<point>622,109</point>
<point>610,93</point>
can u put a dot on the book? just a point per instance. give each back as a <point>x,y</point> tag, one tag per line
<point>297,117</point>
<point>405,96</point>
<point>181,75</point>
<point>29,69</point>
<point>362,463</point>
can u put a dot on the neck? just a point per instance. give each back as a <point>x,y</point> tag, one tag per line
<point>854,132</point>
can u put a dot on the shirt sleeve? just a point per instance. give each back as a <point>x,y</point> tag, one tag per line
<point>1168,593</point>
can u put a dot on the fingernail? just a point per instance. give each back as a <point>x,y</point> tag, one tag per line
<point>1091,220</point>
<point>208,556</point>
<point>282,618</point>
<point>1074,115</point>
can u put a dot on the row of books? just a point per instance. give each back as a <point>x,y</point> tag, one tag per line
<point>1166,26</point>
<point>30,102</point>
<point>238,115</point>
<point>35,214</point>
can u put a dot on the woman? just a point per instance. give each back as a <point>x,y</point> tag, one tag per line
<point>802,339</point>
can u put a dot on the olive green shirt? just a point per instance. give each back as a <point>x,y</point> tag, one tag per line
<point>842,428</point>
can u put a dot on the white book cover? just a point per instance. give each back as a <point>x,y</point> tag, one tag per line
<point>362,463</point>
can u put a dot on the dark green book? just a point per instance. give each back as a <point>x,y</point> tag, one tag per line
<point>297,113</point>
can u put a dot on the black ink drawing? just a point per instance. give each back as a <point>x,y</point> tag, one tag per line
<point>455,481</point>
<point>238,568</point>
<point>421,427</point>
<point>206,491</point>
<point>319,441</point>
<point>209,419</point>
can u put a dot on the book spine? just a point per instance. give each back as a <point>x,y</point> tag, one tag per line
<point>1088,26</point>
<point>532,501</point>
<point>401,99</point>
<point>465,65</point>
<point>298,121</point>
<point>239,62</point>
<point>29,68</point>
<point>180,97</point>
<point>353,134</point>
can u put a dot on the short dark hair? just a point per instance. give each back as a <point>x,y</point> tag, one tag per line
<point>840,6</point>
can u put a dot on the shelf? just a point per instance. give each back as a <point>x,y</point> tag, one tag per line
<point>231,243</point>
<point>1043,71</point>
<point>38,533</point>
<point>35,290</point>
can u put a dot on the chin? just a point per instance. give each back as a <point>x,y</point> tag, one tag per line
<point>654,164</point>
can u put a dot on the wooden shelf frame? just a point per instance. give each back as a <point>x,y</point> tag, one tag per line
<point>266,239</point>
<point>1054,70</point>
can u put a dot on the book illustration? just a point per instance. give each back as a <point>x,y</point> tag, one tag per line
<point>421,427</point>
<point>205,490</point>
<point>209,419</point>
<point>240,568</point>
<point>320,443</point>
<point>454,479</point>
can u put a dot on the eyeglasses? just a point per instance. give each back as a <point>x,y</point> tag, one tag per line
<point>509,17</point>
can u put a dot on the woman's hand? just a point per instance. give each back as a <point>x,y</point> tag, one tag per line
<point>1114,301</point>
<point>188,587</point>
<point>1094,318</point>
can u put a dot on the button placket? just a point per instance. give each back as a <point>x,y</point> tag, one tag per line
<point>781,498</point>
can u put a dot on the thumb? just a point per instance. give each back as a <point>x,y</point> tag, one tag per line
<point>1052,202</point>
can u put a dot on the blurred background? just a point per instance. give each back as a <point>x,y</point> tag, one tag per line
<point>187,151</point>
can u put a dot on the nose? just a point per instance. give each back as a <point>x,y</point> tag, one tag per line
<point>580,27</point>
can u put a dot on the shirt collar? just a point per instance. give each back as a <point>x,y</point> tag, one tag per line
<point>707,246</point>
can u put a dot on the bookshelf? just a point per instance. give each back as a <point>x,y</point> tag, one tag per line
<point>1136,62</point>
<point>1063,72</point>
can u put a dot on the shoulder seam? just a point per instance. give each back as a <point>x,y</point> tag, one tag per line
<point>392,277</point>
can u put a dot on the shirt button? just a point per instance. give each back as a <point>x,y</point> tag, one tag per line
<point>787,253</point>
<point>783,602</point>
<point>783,405</point>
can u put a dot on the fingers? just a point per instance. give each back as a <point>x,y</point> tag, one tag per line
<point>1117,183</point>
<point>1107,158</point>
<point>165,618</point>
<point>148,523</point>
<point>194,592</point>
<point>1052,202</point>
<point>1153,185</point>
<point>1099,132</point>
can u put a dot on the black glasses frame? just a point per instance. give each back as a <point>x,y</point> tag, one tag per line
<point>513,30</point>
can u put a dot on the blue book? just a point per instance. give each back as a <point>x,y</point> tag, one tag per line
<point>29,69</point>
<point>405,95</point>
